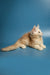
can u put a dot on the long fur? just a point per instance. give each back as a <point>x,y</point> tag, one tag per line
<point>33,39</point>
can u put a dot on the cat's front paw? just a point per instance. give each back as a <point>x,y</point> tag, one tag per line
<point>41,49</point>
<point>23,46</point>
<point>44,46</point>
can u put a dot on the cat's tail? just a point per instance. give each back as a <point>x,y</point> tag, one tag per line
<point>12,47</point>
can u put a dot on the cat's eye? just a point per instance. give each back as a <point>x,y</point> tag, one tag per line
<point>38,31</point>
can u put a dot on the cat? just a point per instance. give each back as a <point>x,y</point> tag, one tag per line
<point>32,39</point>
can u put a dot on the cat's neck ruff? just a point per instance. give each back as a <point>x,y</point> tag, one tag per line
<point>35,36</point>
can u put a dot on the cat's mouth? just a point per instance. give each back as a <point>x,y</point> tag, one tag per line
<point>41,34</point>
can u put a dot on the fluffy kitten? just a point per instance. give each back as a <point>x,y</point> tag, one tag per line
<point>32,39</point>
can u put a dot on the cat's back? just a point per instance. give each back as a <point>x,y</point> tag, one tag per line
<point>26,36</point>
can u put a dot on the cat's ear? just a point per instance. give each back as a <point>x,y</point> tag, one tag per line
<point>38,26</point>
<point>34,28</point>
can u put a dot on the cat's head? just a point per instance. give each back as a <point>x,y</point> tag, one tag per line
<point>36,31</point>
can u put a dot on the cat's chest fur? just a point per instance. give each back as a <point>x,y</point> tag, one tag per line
<point>36,41</point>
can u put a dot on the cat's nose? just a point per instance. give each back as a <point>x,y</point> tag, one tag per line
<point>42,33</point>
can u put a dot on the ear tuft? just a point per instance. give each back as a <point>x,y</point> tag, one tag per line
<point>34,28</point>
<point>38,26</point>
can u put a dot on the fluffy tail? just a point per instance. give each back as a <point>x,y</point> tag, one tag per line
<point>12,47</point>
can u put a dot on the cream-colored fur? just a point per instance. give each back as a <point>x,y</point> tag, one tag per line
<point>33,39</point>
